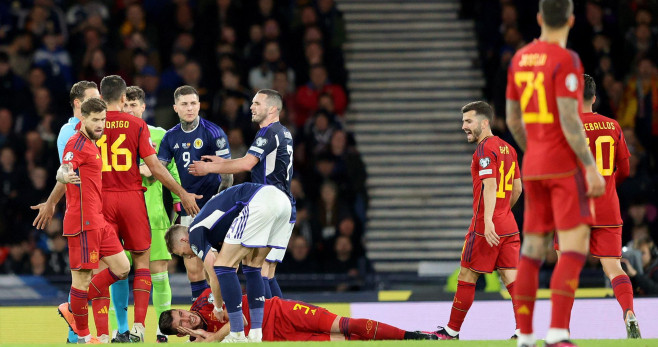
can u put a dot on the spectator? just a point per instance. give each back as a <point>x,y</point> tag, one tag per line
<point>300,260</point>
<point>12,87</point>
<point>171,77</point>
<point>332,23</point>
<point>18,262</point>
<point>261,77</point>
<point>58,260</point>
<point>645,278</point>
<point>346,262</point>
<point>307,95</point>
<point>55,59</point>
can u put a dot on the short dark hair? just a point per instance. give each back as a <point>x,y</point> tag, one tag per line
<point>589,91</point>
<point>112,87</point>
<point>165,323</point>
<point>169,236</point>
<point>481,108</point>
<point>93,105</point>
<point>78,90</point>
<point>273,98</point>
<point>184,90</point>
<point>556,13</point>
<point>135,93</point>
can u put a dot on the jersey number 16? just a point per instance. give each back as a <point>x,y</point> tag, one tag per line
<point>112,162</point>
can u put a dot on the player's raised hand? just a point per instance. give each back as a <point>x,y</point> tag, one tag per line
<point>188,200</point>
<point>595,182</point>
<point>46,212</point>
<point>199,334</point>
<point>490,234</point>
<point>198,168</point>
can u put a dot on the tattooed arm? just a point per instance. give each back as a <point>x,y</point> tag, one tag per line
<point>515,123</point>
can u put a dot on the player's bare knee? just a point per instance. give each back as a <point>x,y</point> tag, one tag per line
<point>612,267</point>
<point>467,275</point>
<point>534,246</point>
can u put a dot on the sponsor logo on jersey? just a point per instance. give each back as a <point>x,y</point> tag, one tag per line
<point>185,145</point>
<point>260,142</point>
<point>571,82</point>
<point>176,146</point>
<point>221,142</point>
<point>484,162</point>
<point>68,156</point>
<point>198,143</point>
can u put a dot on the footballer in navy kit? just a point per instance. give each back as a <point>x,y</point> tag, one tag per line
<point>190,140</point>
<point>269,159</point>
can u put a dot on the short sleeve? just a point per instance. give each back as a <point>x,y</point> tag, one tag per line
<point>622,151</point>
<point>164,152</point>
<point>487,163</point>
<point>198,241</point>
<point>569,77</point>
<point>62,139</point>
<point>221,146</point>
<point>263,145</point>
<point>74,155</point>
<point>511,93</point>
<point>146,146</point>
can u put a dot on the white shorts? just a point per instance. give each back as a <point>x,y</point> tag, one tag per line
<point>277,254</point>
<point>263,222</point>
<point>186,221</point>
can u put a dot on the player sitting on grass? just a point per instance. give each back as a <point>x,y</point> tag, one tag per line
<point>284,320</point>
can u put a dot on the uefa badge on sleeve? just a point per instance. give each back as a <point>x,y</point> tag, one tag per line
<point>484,162</point>
<point>68,156</point>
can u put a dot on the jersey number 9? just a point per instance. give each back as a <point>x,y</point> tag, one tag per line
<point>116,151</point>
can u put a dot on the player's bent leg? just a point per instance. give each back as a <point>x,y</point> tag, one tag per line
<point>574,245</point>
<point>623,289</point>
<point>77,317</point>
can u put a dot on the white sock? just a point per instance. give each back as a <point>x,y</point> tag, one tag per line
<point>556,335</point>
<point>158,332</point>
<point>526,339</point>
<point>84,338</point>
<point>517,332</point>
<point>451,332</point>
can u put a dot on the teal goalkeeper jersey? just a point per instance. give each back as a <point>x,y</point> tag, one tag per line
<point>154,204</point>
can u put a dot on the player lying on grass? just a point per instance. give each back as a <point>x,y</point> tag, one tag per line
<point>284,320</point>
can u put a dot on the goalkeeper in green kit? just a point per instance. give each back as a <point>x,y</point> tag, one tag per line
<point>159,220</point>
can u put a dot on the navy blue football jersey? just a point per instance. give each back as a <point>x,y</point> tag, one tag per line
<point>273,148</point>
<point>185,147</point>
<point>210,226</point>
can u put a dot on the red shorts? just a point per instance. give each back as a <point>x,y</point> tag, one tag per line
<point>556,204</point>
<point>478,256</point>
<point>603,242</point>
<point>126,211</point>
<point>90,246</point>
<point>290,320</point>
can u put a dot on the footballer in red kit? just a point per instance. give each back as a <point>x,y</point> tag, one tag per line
<point>544,100</point>
<point>608,145</point>
<point>283,320</point>
<point>492,242</point>
<point>90,237</point>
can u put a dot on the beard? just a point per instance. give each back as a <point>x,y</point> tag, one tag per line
<point>475,133</point>
<point>92,135</point>
<point>257,118</point>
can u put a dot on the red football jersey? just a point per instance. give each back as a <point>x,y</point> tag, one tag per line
<point>204,305</point>
<point>125,140</point>
<point>494,158</point>
<point>608,145</point>
<point>84,205</point>
<point>540,73</point>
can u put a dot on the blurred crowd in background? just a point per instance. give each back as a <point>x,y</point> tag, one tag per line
<point>617,41</point>
<point>225,49</point>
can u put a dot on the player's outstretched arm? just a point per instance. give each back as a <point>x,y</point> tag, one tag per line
<point>222,166</point>
<point>47,209</point>
<point>515,123</point>
<point>572,128</point>
<point>160,172</point>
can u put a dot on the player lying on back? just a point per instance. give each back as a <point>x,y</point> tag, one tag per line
<point>284,320</point>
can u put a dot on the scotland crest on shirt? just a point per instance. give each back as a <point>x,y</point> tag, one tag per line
<point>198,143</point>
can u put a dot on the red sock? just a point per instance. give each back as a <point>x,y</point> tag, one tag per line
<point>368,329</point>
<point>510,290</point>
<point>141,293</point>
<point>80,311</point>
<point>460,304</point>
<point>99,294</point>
<point>525,292</point>
<point>623,289</point>
<point>563,287</point>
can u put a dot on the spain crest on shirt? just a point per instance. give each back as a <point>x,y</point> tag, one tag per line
<point>93,257</point>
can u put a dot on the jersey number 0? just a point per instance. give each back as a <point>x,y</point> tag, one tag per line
<point>115,151</point>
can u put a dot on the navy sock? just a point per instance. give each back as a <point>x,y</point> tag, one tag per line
<point>232,295</point>
<point>274,287</point>
<point>197,288</point>
<point>266,285</point>
<point>255,295</point>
